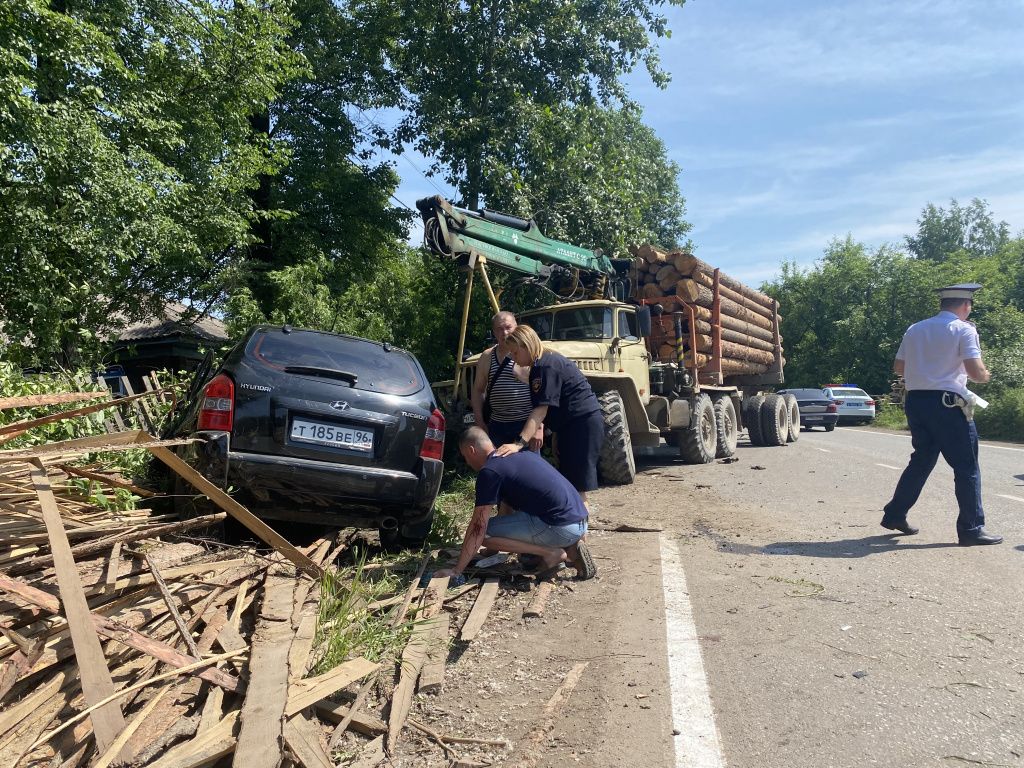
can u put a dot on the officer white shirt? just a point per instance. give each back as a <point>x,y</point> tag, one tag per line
<point>934,350</point>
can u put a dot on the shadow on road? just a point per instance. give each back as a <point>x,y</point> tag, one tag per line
<point>844,548</point>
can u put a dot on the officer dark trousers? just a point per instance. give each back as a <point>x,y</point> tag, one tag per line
<point>936,429</point>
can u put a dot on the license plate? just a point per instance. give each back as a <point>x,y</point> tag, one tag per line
<point>333,435</point>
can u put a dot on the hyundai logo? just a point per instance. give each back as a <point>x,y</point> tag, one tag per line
<point>339,405</point>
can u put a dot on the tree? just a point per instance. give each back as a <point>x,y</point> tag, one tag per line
<point>591,175</point>
<point>329,207</point>
<point>941,233</point>
<point>126,159</point>
<point>476,74</point>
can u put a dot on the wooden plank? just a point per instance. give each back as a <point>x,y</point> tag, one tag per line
<point>69,722</point>
<point>95,444</point>
<point>362,722</point>
<point>21,739</point>
<point>232,507</point>
<point>113,564</point>
<point>59,398</point>
<point>303,738</point>
<point>108,757</point>
<point>308,692</point>
<point>370,756</point>
<point>260,736</point>
<point>107,720</point>
<point>63,415</point>
<point>539,601</point>
<point>481,609</point>
<point>432,676</point>
<point>186,635</point>
<point>413,658</point>
<point>116,630</point>
<point>145,417</point>
<point>205,748</point>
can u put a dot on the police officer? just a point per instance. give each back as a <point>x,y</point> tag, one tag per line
<point>936,358</point>
<point>564,401</point>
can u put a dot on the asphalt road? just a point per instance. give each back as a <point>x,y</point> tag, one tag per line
<point>826,640</point>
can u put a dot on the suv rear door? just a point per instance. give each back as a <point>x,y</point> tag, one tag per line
<point>331,398</point>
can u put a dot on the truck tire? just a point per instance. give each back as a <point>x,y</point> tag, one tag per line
<point>615,464</point>
<point>725,426</point>
<point>794,418</point>
<point>698,443</point>
<point>752,419</point>
<point>774,420</point>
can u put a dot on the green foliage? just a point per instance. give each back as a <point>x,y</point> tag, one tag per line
<point>452,510</point>
<point>590,175</point>
<point>971,229</point>
<point>845,317</point>
<point>890,417</point>
<point>503,64</point>
<point>14,384</point>
<point>126,159</point>
<point>1004,417</point>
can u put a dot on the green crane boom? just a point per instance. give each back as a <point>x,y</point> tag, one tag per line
<point>514,244</point>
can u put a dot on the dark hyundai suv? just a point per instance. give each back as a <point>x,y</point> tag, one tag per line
<point>322,428</point>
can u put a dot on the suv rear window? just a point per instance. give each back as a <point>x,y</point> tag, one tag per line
<point>390,372</point>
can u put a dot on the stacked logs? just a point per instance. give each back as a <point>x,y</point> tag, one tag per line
<point>747,317</point>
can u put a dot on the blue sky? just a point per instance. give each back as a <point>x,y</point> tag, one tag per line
<point>797,122</point>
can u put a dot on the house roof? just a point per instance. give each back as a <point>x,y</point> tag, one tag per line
<point>174,320</point>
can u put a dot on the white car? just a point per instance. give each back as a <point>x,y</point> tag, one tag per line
<point>854,405</point>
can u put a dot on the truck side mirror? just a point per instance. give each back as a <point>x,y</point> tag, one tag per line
<point>643,317</point>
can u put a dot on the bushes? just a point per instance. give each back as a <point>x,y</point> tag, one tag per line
<point>1004,417</point>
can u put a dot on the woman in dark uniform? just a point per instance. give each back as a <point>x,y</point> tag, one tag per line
<point>564,401</point>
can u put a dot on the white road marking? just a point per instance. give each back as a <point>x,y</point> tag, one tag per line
<point>888,466</point>
<point>698,744</point>
<point>1011,498</point>
<point>867,431</point>
<point>823,450</point>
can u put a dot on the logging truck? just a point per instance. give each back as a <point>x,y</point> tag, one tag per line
<point>681,357</point>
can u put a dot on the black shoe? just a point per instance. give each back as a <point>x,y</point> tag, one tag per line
<point>903,527</point>
<point>979,539</point>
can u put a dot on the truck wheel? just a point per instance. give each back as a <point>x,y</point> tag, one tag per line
<point>615,463</point>
<point>774,420</point>
<point>752,419</point>
<point>699,442</point>
<point>794,418</point>
<point>725,426</point>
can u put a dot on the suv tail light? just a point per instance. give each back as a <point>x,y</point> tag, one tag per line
<point>832,407</point>
<point>218,412</point>
<point>433,441</point>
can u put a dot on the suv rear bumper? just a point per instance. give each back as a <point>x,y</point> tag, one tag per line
<point>280,486</point>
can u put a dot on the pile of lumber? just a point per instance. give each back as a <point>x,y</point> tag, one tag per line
<point>124,642</point>
<point>748,319</point>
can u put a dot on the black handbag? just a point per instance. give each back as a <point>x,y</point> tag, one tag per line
<point>487,395</point>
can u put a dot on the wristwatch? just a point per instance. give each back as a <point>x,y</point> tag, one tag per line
<point>521,442</point>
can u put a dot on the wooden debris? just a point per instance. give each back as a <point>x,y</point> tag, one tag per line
<point>413,658</point>
<point>260,737</point>
<point>97,685</point>
<point>481,609</point>
<point>432,676</point>
<point>539,600</point>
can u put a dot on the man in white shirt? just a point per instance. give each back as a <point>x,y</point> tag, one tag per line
<point>936,359</point>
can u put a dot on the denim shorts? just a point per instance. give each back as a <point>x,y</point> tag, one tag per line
<point>523,527</point>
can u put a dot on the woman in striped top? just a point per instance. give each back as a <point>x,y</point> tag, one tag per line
<point>509,396</point>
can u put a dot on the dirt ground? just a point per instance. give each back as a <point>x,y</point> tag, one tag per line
<point>500,685</point>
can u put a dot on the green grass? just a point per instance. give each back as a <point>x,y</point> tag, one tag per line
<point>890,417</point>
<point>346,628</point>
<point>452,510</point>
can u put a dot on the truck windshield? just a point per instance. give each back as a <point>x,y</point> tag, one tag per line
<point>572,324</point>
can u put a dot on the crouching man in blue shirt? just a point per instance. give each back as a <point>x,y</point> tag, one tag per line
<point>545,514</point>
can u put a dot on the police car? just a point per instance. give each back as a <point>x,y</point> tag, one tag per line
<point>853,404</point>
